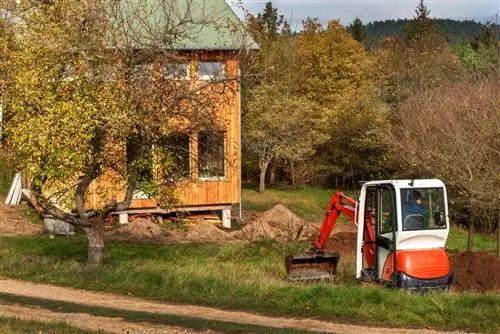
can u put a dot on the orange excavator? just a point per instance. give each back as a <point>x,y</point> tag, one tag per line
<point>402,231</point>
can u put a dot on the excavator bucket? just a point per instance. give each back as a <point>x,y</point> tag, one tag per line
<point>311,266</point>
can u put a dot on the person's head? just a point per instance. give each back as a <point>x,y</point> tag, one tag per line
<point>417,196</point>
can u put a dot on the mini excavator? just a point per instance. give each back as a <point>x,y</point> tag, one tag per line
<point>402,229</point>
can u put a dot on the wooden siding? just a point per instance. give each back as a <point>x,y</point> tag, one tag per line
<point>196,192</point>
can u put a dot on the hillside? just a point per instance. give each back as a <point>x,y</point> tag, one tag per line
<point>454,30</point>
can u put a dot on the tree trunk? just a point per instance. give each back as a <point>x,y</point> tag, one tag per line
<point>272,175</point>
<point>498,235</point>
<point>470,231</point>
<point>263,167</point>
<point>95,238</point>
<point>292,169</point>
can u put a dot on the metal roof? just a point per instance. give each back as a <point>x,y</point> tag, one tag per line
<point>179,25</point>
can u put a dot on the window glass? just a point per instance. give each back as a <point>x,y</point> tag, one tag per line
<point>143,166</point>
<point>210,70</point>
<point>141,71</point>
<point>211,153</point>
<point>387,215</point>
<point>423,208</point>
<point>174,155</point>
<point>177,70</point>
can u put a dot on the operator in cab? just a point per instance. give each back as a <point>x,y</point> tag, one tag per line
<point>414,211</point>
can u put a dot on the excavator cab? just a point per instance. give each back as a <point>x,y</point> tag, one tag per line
<point>402,231</point>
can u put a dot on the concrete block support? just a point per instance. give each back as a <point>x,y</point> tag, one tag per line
<point>226,217</point>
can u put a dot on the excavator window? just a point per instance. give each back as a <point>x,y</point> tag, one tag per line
<point>423,209</point>
<point>387,221</point>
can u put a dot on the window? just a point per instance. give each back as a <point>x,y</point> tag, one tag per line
<point>174,156</point>
<point>143,167</point>
<point>177,70</point>
<point>423,209</point>
<point>211,148</point>
<point>209,70</point>
<point>387,215</point>
<point>141,71</point>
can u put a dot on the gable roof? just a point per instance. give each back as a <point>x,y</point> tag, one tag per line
<point>179,25</point>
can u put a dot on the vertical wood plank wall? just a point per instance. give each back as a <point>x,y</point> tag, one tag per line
<point>197,192</point>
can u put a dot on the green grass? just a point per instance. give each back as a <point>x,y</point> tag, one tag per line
<point>457,241</point>
<point>237,276</point>
<point>16,326</point>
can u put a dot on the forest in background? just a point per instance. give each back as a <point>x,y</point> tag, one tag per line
<point>324,106</point>
<point>454,31</point>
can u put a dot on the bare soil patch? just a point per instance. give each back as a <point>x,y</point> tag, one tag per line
<point>342,242</point>
<point>12,224</point>
<point>476,271</point>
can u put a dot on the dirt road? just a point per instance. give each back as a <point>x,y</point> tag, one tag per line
<point>107,300</point>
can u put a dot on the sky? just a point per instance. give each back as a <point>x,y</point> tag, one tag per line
<point>373,10</point>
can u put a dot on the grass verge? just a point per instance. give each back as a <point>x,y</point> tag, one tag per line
<point>153,318</point>
<point>238,276</point>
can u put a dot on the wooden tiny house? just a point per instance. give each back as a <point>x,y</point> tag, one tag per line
<point>210,159</point>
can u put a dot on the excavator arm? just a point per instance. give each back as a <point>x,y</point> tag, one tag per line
<point>319,264</point>
<point>333,210</point>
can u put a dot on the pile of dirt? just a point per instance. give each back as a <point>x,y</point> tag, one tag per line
<point>12,224</point>
<point>277,223</point>
<point>205,231</point>
<point>477,271</point>
<point>139,229</point>
<point>342,242</point>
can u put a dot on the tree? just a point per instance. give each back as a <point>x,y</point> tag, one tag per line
<point>332,65</point>
<point>358,30</point>
<point>86,96</point>
<point>280,125</point>
<point>422,26</point>
<point>268,25</point>
<point>452,133</point>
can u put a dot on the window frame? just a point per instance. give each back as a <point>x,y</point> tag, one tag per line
<point>223,157</point>
<point>175,77</point>
<point>210,76</point>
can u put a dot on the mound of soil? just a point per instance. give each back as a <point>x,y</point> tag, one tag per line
<point>277,223</point>
<point>205,231</point>
<point>12,224</point>
<point>477,271</point>
<point>139,229</point>
<point>342,242</point>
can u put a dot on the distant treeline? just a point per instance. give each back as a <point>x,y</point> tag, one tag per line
<point>453,30</point>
